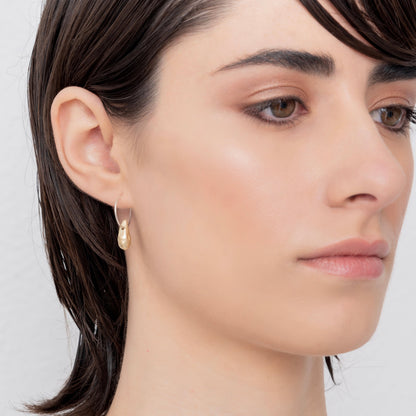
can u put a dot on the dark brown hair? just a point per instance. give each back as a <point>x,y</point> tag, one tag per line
<point>112,48</point>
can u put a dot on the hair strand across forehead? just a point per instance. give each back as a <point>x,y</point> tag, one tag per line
<point>387,26</point>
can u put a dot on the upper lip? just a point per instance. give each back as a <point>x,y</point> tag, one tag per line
<point>353,247</point>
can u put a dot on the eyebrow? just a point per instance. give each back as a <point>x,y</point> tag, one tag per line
<point>321,65</point>
<point>291,59</point>
<point>386,72</point>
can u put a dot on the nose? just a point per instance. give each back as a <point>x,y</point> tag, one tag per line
<point>367,168</point>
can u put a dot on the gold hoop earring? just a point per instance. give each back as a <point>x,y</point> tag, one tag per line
<point>123,238</point>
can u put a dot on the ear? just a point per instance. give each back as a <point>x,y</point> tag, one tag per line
<point>84,138</point>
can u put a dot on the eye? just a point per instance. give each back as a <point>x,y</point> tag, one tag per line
<point>278,111</point>
<point>395,118</point>
<point>392,116</point>
<point>283,108</point>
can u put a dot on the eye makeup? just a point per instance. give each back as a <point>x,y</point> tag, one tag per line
<point>288,110</point>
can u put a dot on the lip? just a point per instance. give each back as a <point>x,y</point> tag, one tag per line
<point>354,258</point>
<point>352,247</point>
<point>356,267</point>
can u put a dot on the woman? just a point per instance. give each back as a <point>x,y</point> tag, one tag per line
<point>238,171</point>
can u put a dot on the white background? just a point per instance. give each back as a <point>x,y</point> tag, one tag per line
<point>36,351</point>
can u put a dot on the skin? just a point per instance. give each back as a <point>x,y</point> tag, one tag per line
<point>223,319</point>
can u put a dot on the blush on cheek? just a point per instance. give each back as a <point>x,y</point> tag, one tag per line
<point>213,200</point>
<point>235,191</point>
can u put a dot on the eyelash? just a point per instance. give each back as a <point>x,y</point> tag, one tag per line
<point>256,109</point>
<point>409,118</point>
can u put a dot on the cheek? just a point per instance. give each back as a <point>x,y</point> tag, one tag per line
<point>214,197</point>
<point>215,214</point>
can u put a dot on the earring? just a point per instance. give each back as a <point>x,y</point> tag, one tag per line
<point>123,238</point>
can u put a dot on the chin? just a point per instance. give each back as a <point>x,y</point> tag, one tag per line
<point>337,339</point>
<point>350,340</point>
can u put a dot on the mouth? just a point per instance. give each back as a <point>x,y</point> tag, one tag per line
<point>354,258</point>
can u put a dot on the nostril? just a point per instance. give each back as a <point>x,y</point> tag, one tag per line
<point>362,196</point>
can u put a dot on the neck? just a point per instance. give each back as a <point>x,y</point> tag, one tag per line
<point>174,363</point>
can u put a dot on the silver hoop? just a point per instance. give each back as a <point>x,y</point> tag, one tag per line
<point>115,213</point>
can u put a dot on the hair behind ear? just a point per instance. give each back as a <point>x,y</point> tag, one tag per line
<point>90,277</point>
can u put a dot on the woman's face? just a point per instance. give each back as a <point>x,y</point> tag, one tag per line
<point>225,203</point>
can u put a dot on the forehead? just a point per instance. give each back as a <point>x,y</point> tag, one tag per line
<point>251,25</point>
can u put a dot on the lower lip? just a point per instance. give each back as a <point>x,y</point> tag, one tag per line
<point>356,267</point>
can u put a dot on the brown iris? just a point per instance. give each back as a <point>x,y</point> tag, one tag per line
<point>283,108</point>
<point>391,116</point>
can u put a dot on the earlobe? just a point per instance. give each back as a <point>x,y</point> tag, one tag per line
<point>84,137</point>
